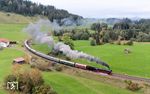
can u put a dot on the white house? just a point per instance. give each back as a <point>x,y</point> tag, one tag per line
<point>4,42</point>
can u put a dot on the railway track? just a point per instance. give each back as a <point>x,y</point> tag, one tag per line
<point>113,75</point>
<point>127,77</point>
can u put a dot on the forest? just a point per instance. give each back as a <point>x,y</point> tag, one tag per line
<point>101,33</point>
<point>28,8</point>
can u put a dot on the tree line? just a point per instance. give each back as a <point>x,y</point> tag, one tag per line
<point>125,30</point>
<point>28,8</point>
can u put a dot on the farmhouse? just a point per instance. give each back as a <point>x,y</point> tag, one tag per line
<point>4,42</point>
<point>19,60</point>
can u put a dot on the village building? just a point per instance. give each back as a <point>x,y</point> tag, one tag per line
<point>4,42</point>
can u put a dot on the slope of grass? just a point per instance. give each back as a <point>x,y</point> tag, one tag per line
<point>68,84</point>
<point>13,32</point>
<point>42,48</point>
<point>8,18</point>
<point>6,58</point>
<point>137,63</point>
<point>61,82</point>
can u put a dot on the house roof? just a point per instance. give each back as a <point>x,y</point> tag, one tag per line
<point>20,59</point>
<point>4,40</point>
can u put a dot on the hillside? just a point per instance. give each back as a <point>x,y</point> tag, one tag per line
<point>12,18</point>
<point>29,8</point>
<point>65,82</point>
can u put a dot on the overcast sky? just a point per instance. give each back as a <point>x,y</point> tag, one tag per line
<point>103,8</point>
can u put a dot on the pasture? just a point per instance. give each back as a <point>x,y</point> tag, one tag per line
<point>6,58</point>
<point>72,84</point>
<point>136,63</point>
<point>61,82</point>
<point>12,32</point>
<point>65,83</point>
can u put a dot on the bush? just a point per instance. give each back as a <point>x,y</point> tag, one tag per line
<point>68,58</point>
<point>58,67</point>
<point>84,36</point>
<point>60,38</point>
<point>93,42</point>
<point>127,51</point>
<point>143,37</point>
<point>36,76</point>
<point>41,65</point>
<point>130,42</point>
<point>133,86</point>
<point>118,42</point>
<point>8,14</point>
<point>106,37</point>
<point>68,41</point>
<point>80,35</point>
<point>10,78</point>
<point>43,89</point>
<point>30,81</point>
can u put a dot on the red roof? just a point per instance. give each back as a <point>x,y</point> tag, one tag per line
<point>4,40</point>
<point>20,59</point>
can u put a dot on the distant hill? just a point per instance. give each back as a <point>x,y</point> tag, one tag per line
<point>28,8</point>
<point>111,21</point>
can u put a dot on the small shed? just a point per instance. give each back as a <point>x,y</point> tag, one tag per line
<point>19,60</point>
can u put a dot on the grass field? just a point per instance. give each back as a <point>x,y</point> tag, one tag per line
<point>137,63</point>
<point>12,32</point>
<point>65,83</point>
<point>69,84</point>
<point>42,48</point>
<point>9,18</point>
<point>6,58</point>
<point>61,82</point>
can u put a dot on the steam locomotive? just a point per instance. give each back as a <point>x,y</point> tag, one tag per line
<point>65,62</point>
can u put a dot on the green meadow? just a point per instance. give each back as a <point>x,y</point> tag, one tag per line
<point>70,84</point>
<point>6,59</point>
<point>12,32</point>
<point>61,82</point>
<point>137,63</point>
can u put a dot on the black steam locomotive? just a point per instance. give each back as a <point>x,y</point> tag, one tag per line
<point>68,63</point>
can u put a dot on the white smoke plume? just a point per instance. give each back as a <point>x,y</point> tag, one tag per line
<point>74,54</point>
<point>39,33</point>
